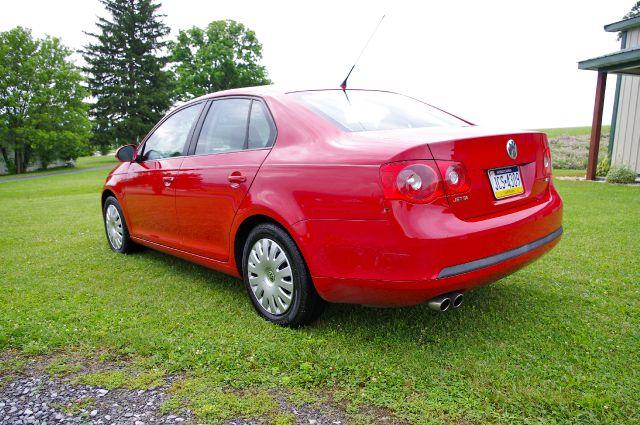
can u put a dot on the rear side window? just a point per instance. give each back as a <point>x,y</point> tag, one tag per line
<point>225,127</point>
<point>169,139</point>
<point>261,129</point>
<point>235,124</point>
<point>364,110</point>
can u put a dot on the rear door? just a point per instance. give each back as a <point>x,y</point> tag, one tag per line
<point>230,145</point>
<point>149,192</point>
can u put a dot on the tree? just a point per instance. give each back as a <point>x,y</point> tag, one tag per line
<point>42,111</point>
<point>634,12</point>
<point>125,66</point>
<point>222,56</point>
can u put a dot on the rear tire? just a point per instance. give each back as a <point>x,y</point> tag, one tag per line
<point>116,227</point>
<point>276,278</point>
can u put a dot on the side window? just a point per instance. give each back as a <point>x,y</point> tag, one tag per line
<point>169,139</point>
<point>225,127</point>
<point>261,130</point>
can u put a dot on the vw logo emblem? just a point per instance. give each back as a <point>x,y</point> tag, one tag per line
<point>512,149</point>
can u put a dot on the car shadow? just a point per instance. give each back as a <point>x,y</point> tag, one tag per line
<point>209,277</point>
<point>496,314</point>
<point>502,310</point>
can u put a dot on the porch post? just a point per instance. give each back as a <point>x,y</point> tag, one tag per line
<point>596,126</point>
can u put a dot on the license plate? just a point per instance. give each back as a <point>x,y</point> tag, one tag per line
<point>505,182</point>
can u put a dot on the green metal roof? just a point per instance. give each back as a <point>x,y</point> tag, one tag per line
<point>625,61</point>
<point>623,25</point>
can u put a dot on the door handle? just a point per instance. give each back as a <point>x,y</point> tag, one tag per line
<point>236,178</point>
<point>167,180</point>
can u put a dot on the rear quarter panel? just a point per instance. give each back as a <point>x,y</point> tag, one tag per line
<point>313,172</point>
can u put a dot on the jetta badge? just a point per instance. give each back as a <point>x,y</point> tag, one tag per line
<point>512,149</point>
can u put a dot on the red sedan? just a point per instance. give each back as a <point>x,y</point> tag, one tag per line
<point>355,196</point>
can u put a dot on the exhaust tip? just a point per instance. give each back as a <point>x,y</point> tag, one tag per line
<point>457,300</point>
<point>445,304</point>
<point>441,303</point>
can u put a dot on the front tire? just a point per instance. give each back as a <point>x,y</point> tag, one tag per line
<point>116,228</point>
<point>276,278</point>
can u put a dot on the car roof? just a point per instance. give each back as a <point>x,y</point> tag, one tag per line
<point>269,90</point>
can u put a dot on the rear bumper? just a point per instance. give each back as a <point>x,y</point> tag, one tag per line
<point>404,293</point>
<point>424,251</point>
<point>499,258</point>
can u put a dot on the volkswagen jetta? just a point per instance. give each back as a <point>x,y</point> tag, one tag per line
<point>354,196</point>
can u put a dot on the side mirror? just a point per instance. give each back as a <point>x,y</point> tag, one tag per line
<point>126,153</point>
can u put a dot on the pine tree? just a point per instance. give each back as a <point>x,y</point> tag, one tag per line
<point>126,75</point>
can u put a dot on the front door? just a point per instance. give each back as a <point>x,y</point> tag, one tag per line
<point>234,141</point>
<point>150,191</point>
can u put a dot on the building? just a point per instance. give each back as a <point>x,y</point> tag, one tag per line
<point>33,166</point>
<point>624,146</point>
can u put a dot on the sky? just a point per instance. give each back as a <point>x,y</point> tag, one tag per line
<point>495,63</point>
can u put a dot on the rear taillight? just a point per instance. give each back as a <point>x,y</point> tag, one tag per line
<point>412,181</point>
<point>547,164</point>
<point>455,177</point>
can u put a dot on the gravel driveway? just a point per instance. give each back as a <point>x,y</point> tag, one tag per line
<point>30,395</point>
<point>42,399</point>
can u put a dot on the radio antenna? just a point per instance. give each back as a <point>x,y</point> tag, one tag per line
<point>343,86</point>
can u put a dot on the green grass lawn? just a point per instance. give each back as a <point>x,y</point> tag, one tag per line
<point>569,173</point>
<point>82,163</point>
<point>553,133</point>
<point>95,161</point>
<point>557,342</point>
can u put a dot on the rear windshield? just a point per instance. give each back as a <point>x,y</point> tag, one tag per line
<point>363,110</point>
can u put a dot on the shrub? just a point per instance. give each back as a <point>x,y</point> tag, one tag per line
<point>621,174</point>
<point>568,161</point>
<point>603,166</point>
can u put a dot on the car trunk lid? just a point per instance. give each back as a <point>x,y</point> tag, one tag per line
<point>479,149</point>
<point>482,153</point>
